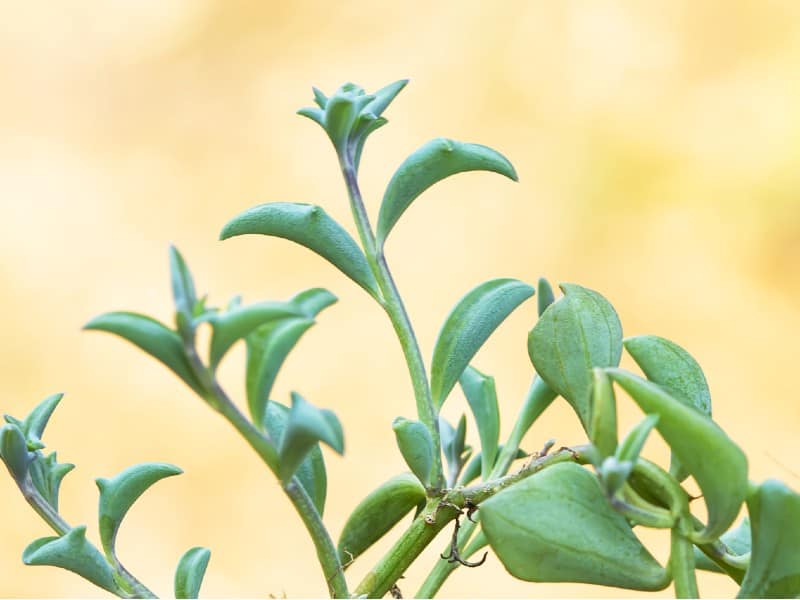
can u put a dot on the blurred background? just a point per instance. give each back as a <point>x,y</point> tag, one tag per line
<point>657,144</point>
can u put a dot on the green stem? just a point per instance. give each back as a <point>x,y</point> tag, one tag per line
<point>393,305</point>
<point>263,446</point>
<point>538,398</point>
<point>681,565</point>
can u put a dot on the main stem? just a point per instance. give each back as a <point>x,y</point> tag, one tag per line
<point>395,309</point>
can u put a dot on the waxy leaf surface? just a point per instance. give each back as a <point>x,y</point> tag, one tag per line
<point>604,415</point>
<point>481,395</point>
<point>436,160</point>
<point>190,572</point>
<point>306,426</point>
<point>557,526</point>
<point>416,445</point>
<point>468,326</point>
<point>47,474</point>
<point>183,291</point>
<point>309,226</point>
<point>34,424</point>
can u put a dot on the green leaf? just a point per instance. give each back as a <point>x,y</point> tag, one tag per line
<point>575,334</point>
<point>376,514</point>
<point>674,369</point>
<point>468,326</point>
<point>774,570</point>
<point>236,323</point>
<point>385,96</point>
<point>306,426</point>
<point>151,336</point>
<point>34,424</point>
<point>47,474</point>
<point>556,526</point>
<point>604,415</point>
<point>717,464</point>
<point>309,226</point>
<point>737,540</point>
<point>119,493</point>
<point>73,553</point>
<point>544,295</point>
<point>481,395</point>
<point>14,452</point>
<point>632,444</point>
<point>436,160</point>
<point>473,469</point>
<point>270,344</point>
<point>416,446</point>
<point>311,473</point>
<point>456,452</point>
<point>183,290</point>
<point>190,572</point>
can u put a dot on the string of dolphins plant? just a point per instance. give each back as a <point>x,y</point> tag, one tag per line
<point>566,515</point>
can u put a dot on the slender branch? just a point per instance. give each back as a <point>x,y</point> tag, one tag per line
<point>395,309</point>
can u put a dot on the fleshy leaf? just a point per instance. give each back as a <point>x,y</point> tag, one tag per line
<point>632,444</point>
<point>183,291</point>
<point>311,473</point>
<point>73,553</point>
<point>306,426</point>
<point>468,326</point>
<point>46,474</point>
<point>436,160</point>
<point>376,514</point>
<point>416,446</point>
<point>738,541</point>
<point>313,301</point>
<point>119,493</point>
<point>556,526</point>
<point>604,415</point>
<point>674,369</point>
<point>575,334</point>
<point>14,451</point>
<point>544,295</point>
<point>151,336</point>
<point>774,570</point>
<point>236,323</point>
<point>481,395</point>
<point>34,424</point>
<point>190,572</point>
<point>309,226</point>
<point>717,464</point>
<point>455,450</point>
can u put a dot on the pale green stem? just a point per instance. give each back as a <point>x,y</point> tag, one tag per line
<point>393,305</point>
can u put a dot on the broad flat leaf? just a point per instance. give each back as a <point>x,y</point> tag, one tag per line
<point>14,451</point>
<point>306,426</point>
<point>311,473</point>
<point>119,493</point>
<point>151,336</point>
<point>34,424</point>
<point>190,572</point>
<point>774,570</point>
<point>737,540</point>
<point>73,553</point>
<point>556,526</point>
<point>674,369</point>
<point>236,323</point>
<point>46,474</point>
<point>604,415</point>
<point>436,160</point>
<point>481,395</point>
<point>468,326</point>
<point>575,334</point>
<point>717,464</point>
<point>309,226</point>
<point>416,445</point>
<point>376,514</point>
<point>183,291</point>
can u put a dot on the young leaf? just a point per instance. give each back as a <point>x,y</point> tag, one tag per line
<point>385,96</point>
<point>313,301</point>
<point>578,332</point>
<point>604,415</point>
<point>482,398</point>
<point>544,295</point>
<point>717,464</point>
<point>632,444</point>
<point>557,526</point>
<point>14,452</point>
<point>416,446</point>
<point>774,570</point>
<point>436,160</point>
<point>311,473</point>
<point>34,424</point>
<point>737,540</point>
<point>674,369</point>
<point>183,290</point>
<point>73,553</point>
<point>456,453</point>
<point>309,226</point>
<point>46,475</point>
<point>236,323</point>
<point>151,336</point>
<point>190,572</point>
<point>119,493</point>
<point>306,426</point>
<point>468,326</point>
<point>376,514</point>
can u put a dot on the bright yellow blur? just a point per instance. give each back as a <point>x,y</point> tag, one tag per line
<point>658,147</point>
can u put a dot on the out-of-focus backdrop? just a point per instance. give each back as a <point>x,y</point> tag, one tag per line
<point>658,147</point>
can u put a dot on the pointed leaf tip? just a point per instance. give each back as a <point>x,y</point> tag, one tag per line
<point>190,572</point>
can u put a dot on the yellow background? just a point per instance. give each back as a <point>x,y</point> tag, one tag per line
<point>657,145</point>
